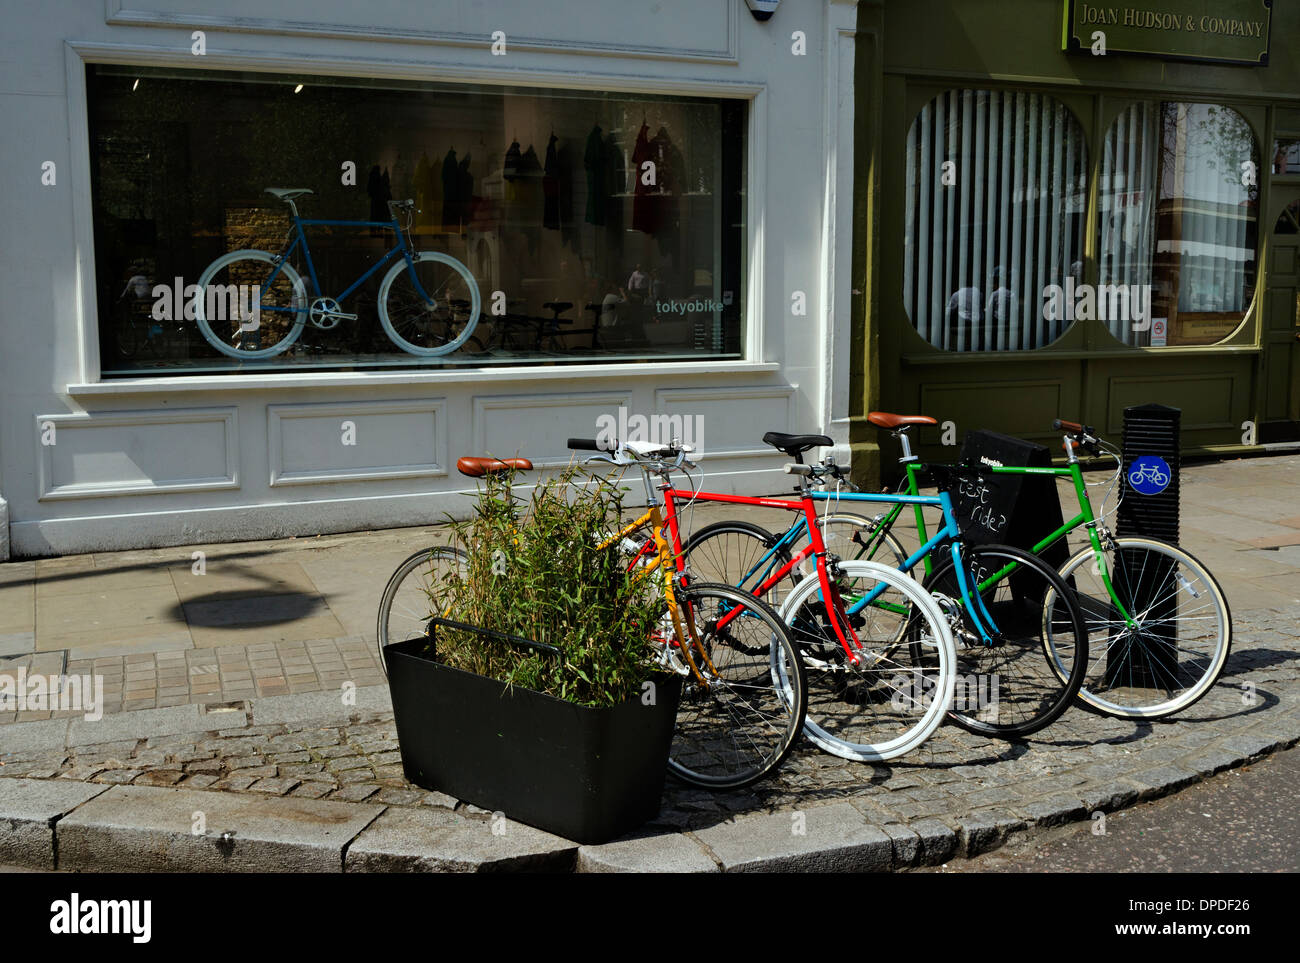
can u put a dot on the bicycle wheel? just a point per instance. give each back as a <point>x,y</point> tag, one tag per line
<point>411,597</point>
<point>1028,676</point>
<point>894,698</point>
<point>1178,643</point>
<point>739,554</point>
<point>439,315</point>
<point>225,288</point>
<point>855,538</point>
<point>741,722</point>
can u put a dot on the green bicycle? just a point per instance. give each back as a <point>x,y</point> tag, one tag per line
<point>1159,627</point>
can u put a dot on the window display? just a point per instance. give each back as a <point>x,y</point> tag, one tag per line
<point>1178,204</point>
<point>996,197</point>
<point>254,221</point>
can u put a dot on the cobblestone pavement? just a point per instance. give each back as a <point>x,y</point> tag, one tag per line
<point>229,674</point>
<point>969,791</point>
<point>958,794</point>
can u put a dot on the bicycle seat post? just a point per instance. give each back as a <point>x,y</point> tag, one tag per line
<point>907,455</point>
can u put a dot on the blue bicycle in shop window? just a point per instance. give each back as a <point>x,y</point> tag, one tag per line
<point>428,301</point>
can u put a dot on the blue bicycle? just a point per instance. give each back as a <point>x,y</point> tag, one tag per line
<point>254,304</point>
<point>1021,638</point>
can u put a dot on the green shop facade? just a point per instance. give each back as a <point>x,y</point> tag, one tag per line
<point>1064,209</point>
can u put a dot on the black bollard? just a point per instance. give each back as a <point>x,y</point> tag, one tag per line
<point>1150,508</point>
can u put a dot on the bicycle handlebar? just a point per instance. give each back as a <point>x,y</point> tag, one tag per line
<point>1060,423</point>
<point>792,469</point>
<point>617,452</point>
<point>1082,434</point>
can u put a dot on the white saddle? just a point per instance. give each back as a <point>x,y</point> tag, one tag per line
<point>289,193</point>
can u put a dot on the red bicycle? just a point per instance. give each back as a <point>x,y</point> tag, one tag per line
<point>877,649</point>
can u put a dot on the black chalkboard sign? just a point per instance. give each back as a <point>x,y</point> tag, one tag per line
<point>1017,510</point>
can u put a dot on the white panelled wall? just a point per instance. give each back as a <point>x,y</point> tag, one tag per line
<point>148,461</point>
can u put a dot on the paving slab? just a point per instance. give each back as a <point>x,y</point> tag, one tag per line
<point>293,629</point>
<point>986,829</point>
<point>425,840</point>
<point>906,843</point>
<point>30,736</point>
<point>144,829</point>
<point>835,838</point>
<point>17,643</point>
<point>669,853</point>
<point>29,809</point>
<point>314,706</point>
<point>164,638</point>
<point>230,579</point>
<point>145,724</point>
<point>938,841</point>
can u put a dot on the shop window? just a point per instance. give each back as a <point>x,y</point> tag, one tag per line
<point>559,226</point>
<point>1286,156</point>
<point>1177,214</point>
<point>996,202</point>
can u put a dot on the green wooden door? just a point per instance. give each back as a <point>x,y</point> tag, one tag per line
<point>1280,399</point>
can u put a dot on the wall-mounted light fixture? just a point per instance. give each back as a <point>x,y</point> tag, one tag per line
<point>762,9</point>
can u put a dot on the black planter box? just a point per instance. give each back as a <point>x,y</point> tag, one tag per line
<point>587,774</point>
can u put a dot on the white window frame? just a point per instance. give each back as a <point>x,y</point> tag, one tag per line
<point>78,54</point>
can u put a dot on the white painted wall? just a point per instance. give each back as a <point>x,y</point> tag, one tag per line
<point>168,461</point>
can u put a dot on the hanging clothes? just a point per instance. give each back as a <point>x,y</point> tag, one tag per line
<point>594,162</point>
<point>451,204</point>
<point>551,187</point>
<point>669,167</point>
<point>615,187</point>
<point>464,190</point>
<point>424,214</point>
<point>564,167</point>
<point>510,172</point>
<point>433,191</point>
<point>645,201</point>
<point>379,197</point>
<point>530,199</point>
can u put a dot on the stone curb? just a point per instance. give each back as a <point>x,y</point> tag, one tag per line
<point>65,824</point>
<point>315,707</point>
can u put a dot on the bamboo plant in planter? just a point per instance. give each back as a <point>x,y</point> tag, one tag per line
<point>535,692</point>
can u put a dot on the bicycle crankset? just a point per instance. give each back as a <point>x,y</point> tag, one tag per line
<point>326,313</point>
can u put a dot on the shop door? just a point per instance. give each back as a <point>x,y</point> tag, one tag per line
<point>1282,324</point>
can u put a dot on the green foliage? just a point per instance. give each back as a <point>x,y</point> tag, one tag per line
<point>535,571</point>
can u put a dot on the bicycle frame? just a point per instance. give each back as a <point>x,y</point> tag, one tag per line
<point>807,528</point>
<point>299,237</point>
<point>668,562</point>
<point>1085,518</point>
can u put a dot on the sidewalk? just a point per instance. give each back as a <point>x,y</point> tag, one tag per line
<point>224,694</point>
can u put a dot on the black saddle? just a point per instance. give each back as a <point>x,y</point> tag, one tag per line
<point>796,445</point>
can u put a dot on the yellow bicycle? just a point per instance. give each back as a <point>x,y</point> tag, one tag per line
<point>744,689</point>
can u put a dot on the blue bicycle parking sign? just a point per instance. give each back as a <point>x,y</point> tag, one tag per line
<point>1149,475</point>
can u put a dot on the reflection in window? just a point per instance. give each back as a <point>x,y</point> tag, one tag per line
<point>996,198</point>
<point>1288,222</point>
<point>1177,210</point>
<point>593,226</point>
<point>1286,156</point>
